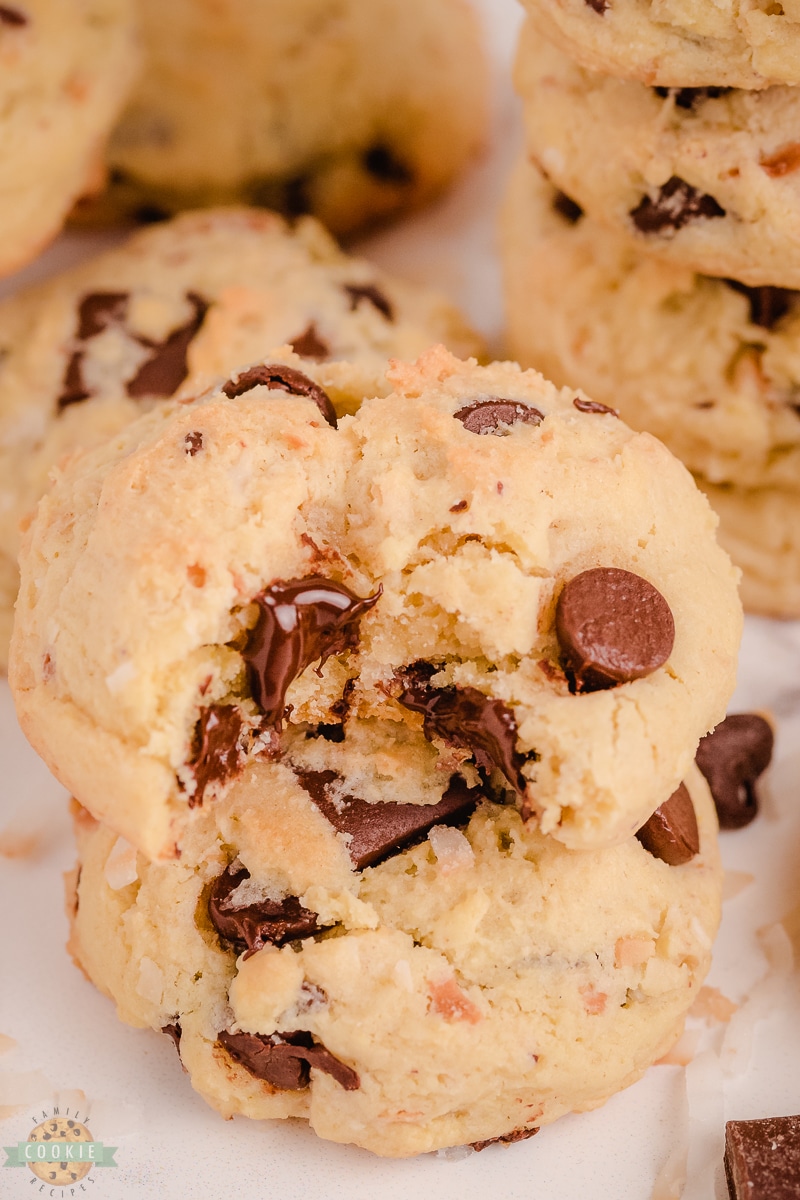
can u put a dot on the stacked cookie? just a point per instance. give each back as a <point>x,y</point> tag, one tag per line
<point>652,246</point>
<point>380,702</point>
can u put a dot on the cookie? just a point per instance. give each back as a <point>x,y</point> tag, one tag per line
<point>675,44</point>
<point>352,112</point>
<point>760,529</point>
<point>709,366</point>
<point>707,178</point>
<point>469,988</point>
<point>179,306</point>
<point>449,562</point>
<point>65,73</point>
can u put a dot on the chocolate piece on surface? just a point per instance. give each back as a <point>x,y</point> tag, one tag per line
<point>612,627</point>
<point>281,378</point>
<point>592,406</point>
<point>284,1059</point>
<point>299,621</point>
<point>383,164</point>
<point>218,755</point>
<point>732,757</point>
<point>567,208</point>
<point>264,922</point>
<point>671,834</point>
<point>166,368</point>
<point>762,1158</point>
<point>12,16</point>
<point>767,304</point>
<point>309,344</point>
<point>676,204</point>
<point>376,831</point>
<point>467,719</point>
<point>494,415</point>
<point>369,292</point>
<point>507,1139</point>
<point>687,97</point>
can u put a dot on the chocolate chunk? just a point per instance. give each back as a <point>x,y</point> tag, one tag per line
<point>612,626</point>
<point>193,442</point>
<point>592,406</point>
<point>278,377</point>
<point>284,1059</point>
<point>671,834</point>
<point>166,368</point>
<point>309,344</point>
<point>676,204</point>
<point>762,1159</point>
<point>73,389</point>
<point>732,758</point>
<point>96,312</point>
<point>265,922</point>
<point>299,621</point>
<point>383,164</point>
<point>12,16</point>
<point>687,97</point>
<point>496,416</point>
<point>174,1031</point>
<point>507,1139</point>
<point>217,752</point>
<point>468,719</point>
<point>767,304</point>
<point>567,208</point>
<point>373,295</point>
<point>377,831</point>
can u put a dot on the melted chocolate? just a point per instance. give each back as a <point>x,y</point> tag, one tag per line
<point>676,204</point>
<point>592,406</point>
<point>671,834</point>
<point>96,312</point>
<point>278,377</point>
<point>496,416</point>
<point>218,755</point>
<point>309,344</point>
<point>373,295</point>
<point>767,304</point>
<point>762,1159</point>
<point>73,389</point>
<point>506,1139</point>
<point>687,97</point>
<point>383,164</point>
<point>612,627</point>
<point>174,1031</point>
<point>732,758</point>
<point>299,621</point>
<point>284,1060</point>
<point>567,208</point>
<point>376,831</point>
<point>468,719</point>
<point>12,16</point>
<point>251,926</point>
<point>166,368</point>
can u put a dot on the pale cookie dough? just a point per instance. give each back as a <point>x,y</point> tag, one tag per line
<point>181,305</point>
<point>180,582</point>
<point>678,43</point>
<point>708,178</point>
<point>711,369</point>
<point>760,529</point>
<point>471,988</point>
<point>348,110</point>
<point>66,69</point>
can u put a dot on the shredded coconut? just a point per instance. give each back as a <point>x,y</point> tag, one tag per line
<point>120,677</point>
<point>120,869</point>
<point>150,984</point>
<point>451,848</point>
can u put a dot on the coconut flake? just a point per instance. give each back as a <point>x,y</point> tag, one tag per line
<point>150,985</point>
<point>120,677</point>
<point>734,882</point>
<point>711,1005</point>
<point>120,869</point>
<point>455,1153</point>
<point>451,848</point>
<point>402,975</point>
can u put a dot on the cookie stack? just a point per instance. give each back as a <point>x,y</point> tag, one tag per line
<point>652,246</point>
<point>379,704</point>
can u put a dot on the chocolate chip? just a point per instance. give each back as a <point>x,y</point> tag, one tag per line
<point>265,922</point>
<point>671,834</point>
<point>762,1159</point>
<point>592,406</point>
<point>373,295</point>
<point>12,16</point>
<point>687,97</point>
<point>767,304</point>
<point>278,377</point>
<point>309,344</point>
<point>676,204</point>
<point>732,758</point>
<point>383,164</point>
<point>299,621</point>
<point>467,719</point>
<point>296,200</point>
<point>284,1059</point>
<point>460,506</point>
<point>377,831</point>
<point>96,312</point>
<point>150,214</point>
<point>612,627</point>
<point>497,416</point>
<point>567,208</point>
<point>73,389</point>
<point>166,368</point>
<point>217,752</point>
<point>193,442</point>
<point>506,1139</point>
<point>174,1031</point>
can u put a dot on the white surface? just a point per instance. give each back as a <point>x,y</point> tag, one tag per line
<point>170,1144</point>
